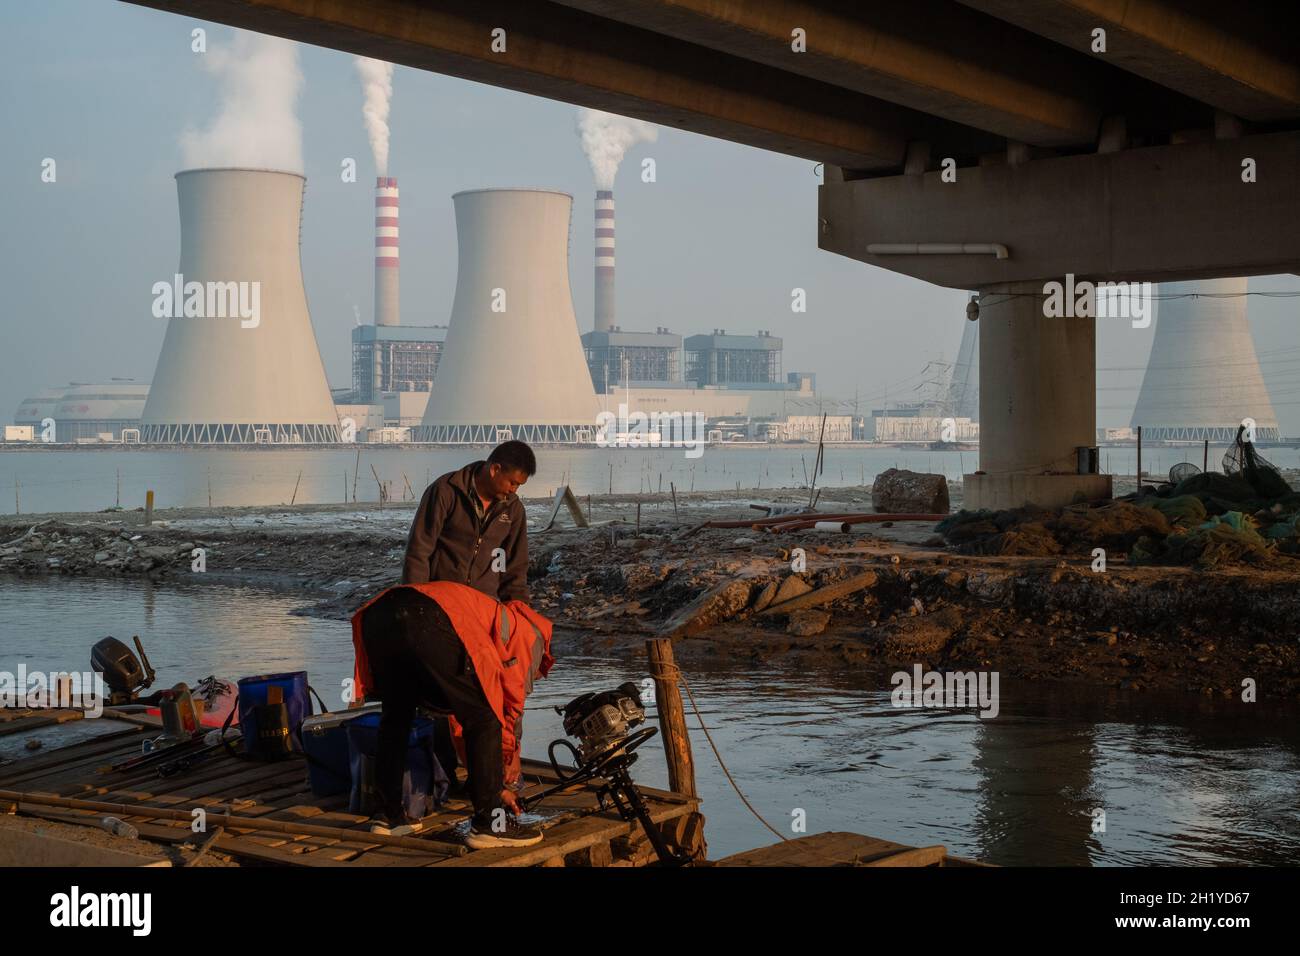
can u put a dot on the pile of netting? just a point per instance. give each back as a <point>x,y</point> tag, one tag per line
<point>1246,515</point>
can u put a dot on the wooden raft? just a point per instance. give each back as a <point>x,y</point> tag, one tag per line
<point>574,834</point>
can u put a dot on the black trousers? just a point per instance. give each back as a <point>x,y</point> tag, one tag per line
<point>416,659</point>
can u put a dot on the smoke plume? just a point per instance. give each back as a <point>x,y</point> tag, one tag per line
<point>377,81</point>
<point>606,138</point>
<point>257,124</point>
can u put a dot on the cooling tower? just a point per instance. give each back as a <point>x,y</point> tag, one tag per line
<point>223,378</point>
<point>964,388</point>
<point>513,365</point>
<point>386,302</point>
<point>604,260</point>
<point>1203,376</point>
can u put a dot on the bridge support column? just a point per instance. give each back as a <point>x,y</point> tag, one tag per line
<point>1038,401</point>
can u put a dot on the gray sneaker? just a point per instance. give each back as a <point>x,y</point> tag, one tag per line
<point>483,836</point>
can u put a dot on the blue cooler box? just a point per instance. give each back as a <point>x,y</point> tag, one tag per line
<point>325,741</point>
<point>424,784</point>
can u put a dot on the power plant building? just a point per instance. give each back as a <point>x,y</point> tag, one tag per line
<point>395,358</point>
<point>1203,379</point>
<point>514,365</point>
<point>615,357</point>
<point>741,361</point>
<point>85,412</point>
<point>224,378</point>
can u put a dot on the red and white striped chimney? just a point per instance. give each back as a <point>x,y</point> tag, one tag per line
<point>386,300</point>
<point>604,311</point>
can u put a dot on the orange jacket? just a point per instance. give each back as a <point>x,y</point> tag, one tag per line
<point>507,643</point>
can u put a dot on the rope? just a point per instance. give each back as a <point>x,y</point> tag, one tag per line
<point>721,763</point>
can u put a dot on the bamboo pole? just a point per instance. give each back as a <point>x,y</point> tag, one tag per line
<point>231,821</point>
<point>1139,463</point>
<point>672,717</point>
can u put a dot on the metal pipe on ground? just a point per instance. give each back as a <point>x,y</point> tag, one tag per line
<point>807,523</point>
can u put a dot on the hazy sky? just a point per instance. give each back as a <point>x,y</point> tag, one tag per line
<point>107,89</point>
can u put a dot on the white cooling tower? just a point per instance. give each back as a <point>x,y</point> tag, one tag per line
<point>513,364</point>
<point>964,387</point>
<point>223,378</point>
<point>1203,377</point>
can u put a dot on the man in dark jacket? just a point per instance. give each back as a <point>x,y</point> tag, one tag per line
<point>471,527</point>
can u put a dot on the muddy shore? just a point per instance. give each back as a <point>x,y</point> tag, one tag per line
<point>906,598</point>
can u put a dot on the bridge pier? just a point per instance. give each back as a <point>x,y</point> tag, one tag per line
<point>1037,403</point>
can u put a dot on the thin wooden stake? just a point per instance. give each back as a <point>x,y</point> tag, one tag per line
<point>673,487</point>
<point>292,500</point>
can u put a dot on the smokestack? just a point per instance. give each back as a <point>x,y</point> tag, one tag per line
<point>604,260</point>
<point>386,301</point>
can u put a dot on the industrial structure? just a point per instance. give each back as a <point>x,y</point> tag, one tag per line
<point>229,379</point>
<point>85,412</point>
<point>604,298</point>
<point>744,361</point>
<point>387,310</point>
<point>963,398</point>
<point>615,357</point>
<point>1202,380</point>
<point>387,358</point>
<point>514,363</point>
<point>1100,140</point>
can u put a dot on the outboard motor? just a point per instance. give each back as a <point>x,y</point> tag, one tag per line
<point>123,672</point>
<point>604,725</point>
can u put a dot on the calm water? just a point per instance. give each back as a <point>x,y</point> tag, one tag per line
<point>1181,780</point>
<point>93,479</point>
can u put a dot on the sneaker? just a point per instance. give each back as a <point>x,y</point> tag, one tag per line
<point>483,836</point>
<point>381,824</point>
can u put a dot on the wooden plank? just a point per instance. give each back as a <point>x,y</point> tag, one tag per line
<point>831,849</point>
<point>918,856</point>
<point>823,595</point>
<point>564,839</point>
<point>27,724</point>
<point>85,753</point>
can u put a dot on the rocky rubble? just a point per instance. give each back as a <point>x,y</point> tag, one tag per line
<point>879,599</point>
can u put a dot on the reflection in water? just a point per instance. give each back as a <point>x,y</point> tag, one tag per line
<point>1036,795</point>
<point>1181,779</point>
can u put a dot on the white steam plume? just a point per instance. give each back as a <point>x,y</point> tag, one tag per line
<point>607,137</point>
<point>377,81</point>
<point>258,121</point>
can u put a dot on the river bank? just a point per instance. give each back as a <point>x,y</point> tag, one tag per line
<point>906,598</point>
